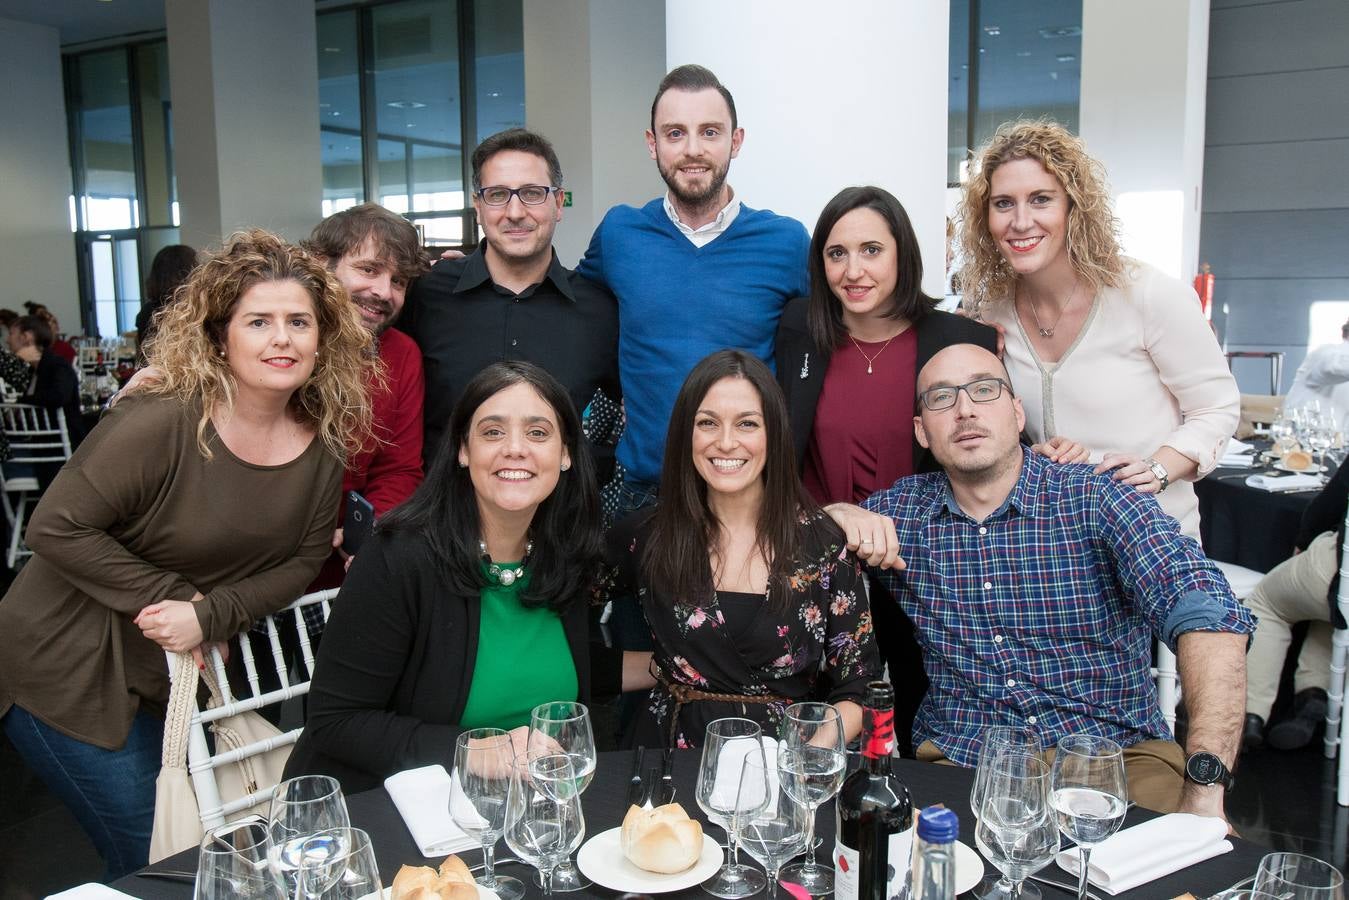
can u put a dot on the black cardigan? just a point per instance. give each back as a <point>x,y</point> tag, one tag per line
<point>801,367</point>
<point>396,664</point>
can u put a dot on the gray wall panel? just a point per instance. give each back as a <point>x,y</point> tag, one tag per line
<point>1292,106</point>
<point>1277,37</point>
<point>1261,177</point>
<point>1278,245</point>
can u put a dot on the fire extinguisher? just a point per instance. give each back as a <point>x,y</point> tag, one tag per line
<point>1203,286</point>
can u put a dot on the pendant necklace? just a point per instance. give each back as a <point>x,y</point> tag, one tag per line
<point>871,359</point>
<point>504,575</point>
<point>1049,332</point>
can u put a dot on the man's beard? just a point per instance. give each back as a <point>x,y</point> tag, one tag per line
<point>700,199</point>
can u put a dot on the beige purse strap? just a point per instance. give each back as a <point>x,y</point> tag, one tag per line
<point>178,716</point>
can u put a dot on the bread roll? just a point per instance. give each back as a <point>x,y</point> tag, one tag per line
<point>1297,460</point>
<point>454,881</point>
<point>455,870</point>
<point>414,883</point>
<point>662,840</point>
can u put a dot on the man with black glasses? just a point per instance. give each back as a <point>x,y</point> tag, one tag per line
<point>1036,588</point>
<point>512,299</point>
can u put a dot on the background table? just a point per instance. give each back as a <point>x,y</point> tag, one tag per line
<point>604,809</point>
<point>1245,525</point>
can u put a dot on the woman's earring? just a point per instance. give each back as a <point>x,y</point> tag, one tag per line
<point>566,466</point>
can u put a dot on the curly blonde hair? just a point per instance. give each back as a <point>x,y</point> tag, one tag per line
<point>1093,233</point>
<point>189,343</point>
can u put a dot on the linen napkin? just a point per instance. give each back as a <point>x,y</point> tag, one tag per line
<point>422,797</point>
<point>1149,851</point>
<point>730,763</point>
<point>1237,454</point>
<point>1284,483</point>
<point>90,891</point>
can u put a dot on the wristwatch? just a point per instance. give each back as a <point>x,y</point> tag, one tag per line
<point>1203,767</point>
<point>1160,471</point>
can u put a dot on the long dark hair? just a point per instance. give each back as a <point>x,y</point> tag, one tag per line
<point>684,529</point>
<point>566,526</point>
<point>825,316</point>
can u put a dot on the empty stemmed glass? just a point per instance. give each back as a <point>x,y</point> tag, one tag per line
<point>1000,740</point>
<point>811,765</point>
<point>479,789</point>
<point>783,826</point>
<point>726,746</point>
<point>338,864</point>
<point>544,822</point>
<point>301,807</point>
<point>233,864</point>
<point>1016,828</point>
<point>1088,792</point>
<point>565,726</point>
<point>1297,876</point>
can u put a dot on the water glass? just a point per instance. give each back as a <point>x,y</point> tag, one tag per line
<point>1296,876</point>
<point>565,726</point>
<point>541,829</point>
<point>812,761</point>
<point>727,744</point>
<point>1000,740</point>
<point>1088,792</point>
<point>1016,828</point>
<point>338,864</point>
<point>780,830</point>
<point>301,807</point>
<point>233,863</point>
<point>479,789</point>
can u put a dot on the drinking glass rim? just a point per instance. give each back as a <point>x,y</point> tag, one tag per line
<point>277,792</point>
<point>212,843</point>
<point>482,734</point>
<point>584,711</point>
<point>757,729</point>
<point>1290,855</point>
<point>1105,747</point>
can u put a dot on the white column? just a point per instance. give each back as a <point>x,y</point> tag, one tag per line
<point>37,249</point>
<point>850,93</point>
<point>1144,78</point>
<point>244,76</point>
<point>591,70</point>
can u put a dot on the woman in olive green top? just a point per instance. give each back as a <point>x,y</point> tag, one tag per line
<point>194,508</point>
<point>469,606</point>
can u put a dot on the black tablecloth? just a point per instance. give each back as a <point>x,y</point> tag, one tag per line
<point>1245,525</point>
<point>604,809</point>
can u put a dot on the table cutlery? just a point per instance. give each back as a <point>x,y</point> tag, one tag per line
<point>636,778</point>
<point>667,789</point>
<point>1061,885</point>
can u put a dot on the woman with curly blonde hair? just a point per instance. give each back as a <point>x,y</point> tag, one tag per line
<point>198,505</point>
<point>1102,348</point>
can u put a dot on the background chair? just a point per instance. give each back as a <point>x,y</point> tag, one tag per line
<point>1337,725</point>
<point>36,436</point>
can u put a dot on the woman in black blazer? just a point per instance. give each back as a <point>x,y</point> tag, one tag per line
<point>847,359</point>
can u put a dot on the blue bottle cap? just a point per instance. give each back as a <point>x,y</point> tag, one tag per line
<point>938,825</point>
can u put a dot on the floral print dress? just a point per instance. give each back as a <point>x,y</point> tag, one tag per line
<point>817,645</point>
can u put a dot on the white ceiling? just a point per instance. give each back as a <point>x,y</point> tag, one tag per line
<point>88,20</point>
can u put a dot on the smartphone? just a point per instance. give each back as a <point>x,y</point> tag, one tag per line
<point>358,523</point>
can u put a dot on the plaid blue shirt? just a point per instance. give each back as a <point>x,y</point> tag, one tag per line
<point>1043,613</point>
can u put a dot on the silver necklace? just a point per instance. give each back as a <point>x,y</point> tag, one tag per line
<point>504,575</point>
<point>871,359</point>
<point>1049,332</point>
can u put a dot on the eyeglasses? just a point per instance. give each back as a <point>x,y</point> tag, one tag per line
<point>529,194</point>
<point>985,390</point>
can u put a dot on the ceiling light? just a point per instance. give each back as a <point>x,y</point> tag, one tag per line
<point>406,104</point>
<point>332,49</point>
<point>1060,31</point>
<point>992,30</point>
<point>1024,53</point>
<point>1065,57</point>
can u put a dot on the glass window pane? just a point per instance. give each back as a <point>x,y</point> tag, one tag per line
<point>105,286</point>
<point>499,65</point>
<point>441,230</point>
<point>128,286</point>
<point>340,111</point>
<point>152,83</point>
<point>958,90</point>
<point>1029,63</point>
<point>417,102</point>
<point>103,99</point>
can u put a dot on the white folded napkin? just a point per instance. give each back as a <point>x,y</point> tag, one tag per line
<point>1283,483</point>
<point>423,800</point>
<point>1237,454</point>
<point>731,762</point>
<point>1149,851</point>
<point>1235,446</point>
<point>91,891</point>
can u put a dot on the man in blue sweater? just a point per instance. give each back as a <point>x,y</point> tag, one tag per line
<point>694,271</point>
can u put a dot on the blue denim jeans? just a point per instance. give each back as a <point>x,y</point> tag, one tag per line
<point>110,792</point>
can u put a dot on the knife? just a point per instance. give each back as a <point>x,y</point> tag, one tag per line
<point>667,789</point>
<point>636,778</point>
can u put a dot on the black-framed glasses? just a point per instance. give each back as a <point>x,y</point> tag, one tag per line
<point>529,194</point>
<point>985,390</point>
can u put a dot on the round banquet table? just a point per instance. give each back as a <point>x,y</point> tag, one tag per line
<point>1245,525</point>
<point>604,807</point>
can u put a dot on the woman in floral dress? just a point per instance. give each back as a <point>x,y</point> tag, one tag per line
<point>753,601</point>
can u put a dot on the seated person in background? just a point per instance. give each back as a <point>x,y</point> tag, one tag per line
<point>497,551</point>
<point>1036,588</point>
<point>1304,588</point>
<point>13,370</point>
<point>753,603</point>
<point>61,348</point>
<point>168,271</point>
<point>198,506</point>
<point>55,384</point>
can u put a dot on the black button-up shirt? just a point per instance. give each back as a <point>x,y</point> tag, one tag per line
<point>463,322</point>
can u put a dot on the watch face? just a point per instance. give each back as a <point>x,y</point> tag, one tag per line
<point>1204,768</point>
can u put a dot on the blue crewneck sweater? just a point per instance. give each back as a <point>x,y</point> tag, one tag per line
<point>677,303</point>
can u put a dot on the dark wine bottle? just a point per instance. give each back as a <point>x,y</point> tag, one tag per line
<point>874,840</point>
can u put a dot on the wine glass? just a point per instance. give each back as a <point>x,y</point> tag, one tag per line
<point>479,788</point>
<point>338,864</point>
<point>726,746</point>
<point>233,863</point>
<point>1320,438</point>
<point>1000,740</point>
<point>783,827</point>
<point>566,726</point>
<point>301,807</point>
<point>1296,876</point>
<point>811,761</point>
<point>542,829</point>
<point>1016,828</point>
<point>1088,793</point>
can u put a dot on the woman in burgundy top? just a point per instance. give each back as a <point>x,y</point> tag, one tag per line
<point>847,359</point>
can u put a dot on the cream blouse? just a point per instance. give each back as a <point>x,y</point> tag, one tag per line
<point>1145,371</point>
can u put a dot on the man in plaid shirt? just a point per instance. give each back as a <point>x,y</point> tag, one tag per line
<point>1035,590</point>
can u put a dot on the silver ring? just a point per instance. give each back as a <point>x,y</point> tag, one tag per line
<point>868,541</point>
